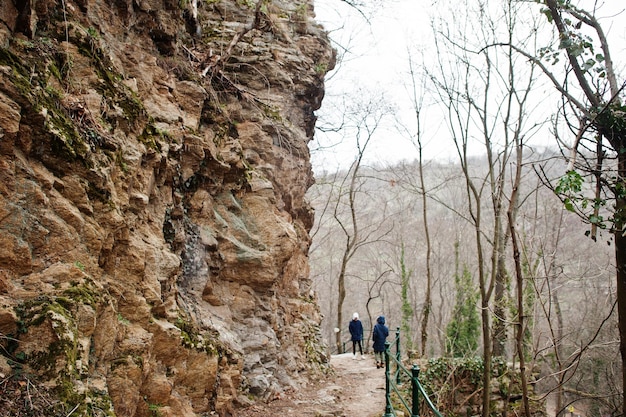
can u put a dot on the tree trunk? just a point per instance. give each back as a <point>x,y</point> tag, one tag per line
<point>427,296</point>
<point>521,315</point>
<point>341,296</point>
<point>485,313</point>
<point>499,310</point>
<point>486,357</point>
<point>558,350</point>
<point>519,337</point>
<point>620,261</point>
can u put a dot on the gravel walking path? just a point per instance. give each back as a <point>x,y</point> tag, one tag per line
<point>356,388</point>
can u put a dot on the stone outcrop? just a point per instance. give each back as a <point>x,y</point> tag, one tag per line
<point>153,226</point>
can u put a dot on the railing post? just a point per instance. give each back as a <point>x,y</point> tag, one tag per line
<point>343,348</point>
<point>388,408</point>
<point>397,355</point>
<point>415,394</point>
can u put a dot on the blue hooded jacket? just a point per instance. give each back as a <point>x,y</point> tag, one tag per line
<point>379,334</point>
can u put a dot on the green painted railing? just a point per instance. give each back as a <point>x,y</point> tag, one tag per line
<point>393,382</point>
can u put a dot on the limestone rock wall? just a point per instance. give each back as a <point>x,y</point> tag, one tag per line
<point>153,226</point>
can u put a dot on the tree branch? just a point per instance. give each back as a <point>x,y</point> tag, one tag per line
<point>578,71</point>
<point>549,74</point>
<point>590,20</point>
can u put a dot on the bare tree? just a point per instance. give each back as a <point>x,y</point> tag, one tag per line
<point>360,121</point>
<point>374,291</point>
<point>594,113</point>
<point>521,314</point>
<point>417,101</point>
<point>485,97</point>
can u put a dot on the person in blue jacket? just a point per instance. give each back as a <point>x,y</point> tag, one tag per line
<point>379,336</point>
<point>356,331</point>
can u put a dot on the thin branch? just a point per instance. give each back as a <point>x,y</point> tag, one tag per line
<point>590,20</point>
<point>578,71</point>
<point>549,74</point>
<point>215,60</point>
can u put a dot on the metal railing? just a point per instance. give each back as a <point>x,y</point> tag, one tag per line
<point>393,382</point>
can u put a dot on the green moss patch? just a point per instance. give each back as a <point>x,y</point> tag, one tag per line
<point>192,338</point>
<point>57,358</point>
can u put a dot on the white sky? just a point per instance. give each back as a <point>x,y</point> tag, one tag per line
<point>377,61</point>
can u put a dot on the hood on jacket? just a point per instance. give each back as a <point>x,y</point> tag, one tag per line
<point>381,320</point>
<point>355,316</point>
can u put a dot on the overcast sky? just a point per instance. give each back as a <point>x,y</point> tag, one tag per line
<point>377,62</point>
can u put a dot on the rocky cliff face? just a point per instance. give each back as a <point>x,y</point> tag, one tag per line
<point>153,226</point>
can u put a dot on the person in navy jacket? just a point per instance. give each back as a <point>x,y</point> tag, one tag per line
<point>379,336</point>
<point>356,331</point>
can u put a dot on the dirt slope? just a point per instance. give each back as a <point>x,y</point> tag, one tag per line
<point>355,389</point>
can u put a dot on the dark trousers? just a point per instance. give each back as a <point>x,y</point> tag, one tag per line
<point>354,343</point>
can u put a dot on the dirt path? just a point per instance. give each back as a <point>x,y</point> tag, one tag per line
<point>356,389</point>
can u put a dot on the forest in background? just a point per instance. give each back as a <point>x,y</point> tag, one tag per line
<point>513,246</point>
<point>569,279</point>
<point>391,215</point>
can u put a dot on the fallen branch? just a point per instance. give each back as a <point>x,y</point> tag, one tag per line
<point>215,60</point>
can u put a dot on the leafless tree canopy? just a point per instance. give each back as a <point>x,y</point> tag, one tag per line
<point>536,212</point>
